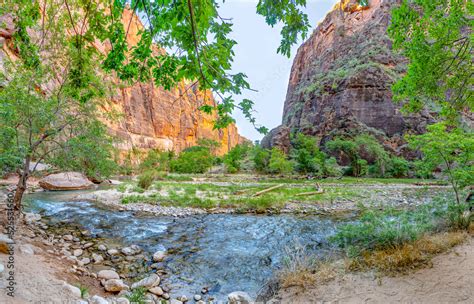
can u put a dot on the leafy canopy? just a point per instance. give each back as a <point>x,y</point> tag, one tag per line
<point>435,36</point>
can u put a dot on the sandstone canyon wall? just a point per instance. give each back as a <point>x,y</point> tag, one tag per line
<point>146,116</point>
<point>340,82</point>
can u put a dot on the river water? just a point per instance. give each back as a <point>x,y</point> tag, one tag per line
<point>225,253</point>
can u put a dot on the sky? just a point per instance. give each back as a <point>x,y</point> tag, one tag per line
<point>256,56</point>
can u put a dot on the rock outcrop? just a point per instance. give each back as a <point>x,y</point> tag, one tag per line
<point>147,116</point>
<point>341,80</point>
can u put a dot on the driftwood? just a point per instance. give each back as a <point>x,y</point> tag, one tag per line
<point>310,193</point>
<point>268,190</point>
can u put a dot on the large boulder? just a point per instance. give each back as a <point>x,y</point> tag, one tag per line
<point>66,181</point>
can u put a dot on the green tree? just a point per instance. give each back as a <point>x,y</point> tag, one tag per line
<point>233,159</point>
<point>49,95</point>
<point>193,160</point>
<point>450,148</point>
<point>435,36</point>
<point>305,152</point>
<point>260,158</point>
<point>278,163</point>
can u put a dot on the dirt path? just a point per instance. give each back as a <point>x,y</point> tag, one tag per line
<point>450,280</point>
<point>36,281</point>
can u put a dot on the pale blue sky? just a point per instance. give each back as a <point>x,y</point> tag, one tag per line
<point>255,55</point>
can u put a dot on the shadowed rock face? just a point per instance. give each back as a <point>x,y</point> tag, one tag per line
<point>341,80</point>
<point>149,116</point>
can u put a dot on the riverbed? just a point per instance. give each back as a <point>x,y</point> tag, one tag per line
<point>221,252</point>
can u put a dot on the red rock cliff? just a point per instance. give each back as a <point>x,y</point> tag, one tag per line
<point>341,80</point>
<point>169,120</point>
<point>149,116</point>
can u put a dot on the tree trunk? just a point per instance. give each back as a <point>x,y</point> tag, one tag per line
<point>21,186</point>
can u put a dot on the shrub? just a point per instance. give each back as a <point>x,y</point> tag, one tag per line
<point>449,148</point>
<point>359,151</point>
<point>278,162</point>
<point>233,159</point>
<point>157,160</point>
<point>378,230</point>
<point>305,152</point>
<point>331,168</point>
<point>193,160</point>
<point>398,167</point>
<point>146,179</point>
<point>137,296</point>
<point>261,158</point>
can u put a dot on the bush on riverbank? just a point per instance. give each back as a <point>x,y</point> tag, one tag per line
<point>391,240</point>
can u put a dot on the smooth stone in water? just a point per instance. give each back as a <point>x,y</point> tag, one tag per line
<point>174,301</point>
<point>108,274</point>
<point>85,261</point>
<point>197,297</point>
<point>148,282</point>
<point>159,256</point>
<point>68,237</point>
<point>239,297</point>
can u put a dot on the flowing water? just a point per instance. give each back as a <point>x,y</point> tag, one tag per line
<point>222,252</point>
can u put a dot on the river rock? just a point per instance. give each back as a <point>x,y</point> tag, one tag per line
<point>115,285</point>
<point>197,297</point>
<point>148,282</point>
<point>77,252</point>
<point>239,297</point>
<point>85,261</point>
<point>27,249</point>
<point>66,181</point>
<point>175,301</point>
<point>107,275</point>
<point>132,250</point>
<point>183,298</point>
<point>97,300</point>
<point>122,301</point>
<point>102,247</point>
<point>159,256</point>
<point>2,269</point>
<point>72,289</point>
<point>87,245</point>
<point>156,291</point>
<point>113,251</point>
<point>166,296</point>
<point>31,218</point>
<point>97,258</point>
<point>68,237</point>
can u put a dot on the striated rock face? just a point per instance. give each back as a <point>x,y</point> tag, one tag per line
<point>147,116</point>
<point>341,80</point>
<point>168,120</point>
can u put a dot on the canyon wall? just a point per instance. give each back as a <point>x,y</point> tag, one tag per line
<point>340,81</point>
<point>147,116</point>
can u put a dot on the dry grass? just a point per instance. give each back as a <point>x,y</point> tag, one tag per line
<point>408,256</point>
<point>302,270</point>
